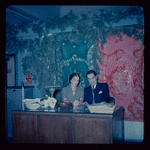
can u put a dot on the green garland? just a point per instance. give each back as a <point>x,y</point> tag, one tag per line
<point>85,24</point>
<point>38,51</point>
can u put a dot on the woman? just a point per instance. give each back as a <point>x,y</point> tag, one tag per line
<point>73,93</point>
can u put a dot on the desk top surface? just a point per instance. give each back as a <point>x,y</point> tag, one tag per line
<point>80,110</point>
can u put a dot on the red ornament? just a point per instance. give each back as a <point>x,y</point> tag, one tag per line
<point>28,78</point>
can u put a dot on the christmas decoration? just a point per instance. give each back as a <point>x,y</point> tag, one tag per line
<point>28,78</point>
<point>43,54</point>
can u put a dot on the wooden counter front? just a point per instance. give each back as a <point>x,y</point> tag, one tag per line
<point>57,127</point>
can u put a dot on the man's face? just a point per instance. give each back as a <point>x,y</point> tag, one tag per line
<point>92,79</point>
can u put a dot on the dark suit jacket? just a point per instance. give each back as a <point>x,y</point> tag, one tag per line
<point>101,93</point>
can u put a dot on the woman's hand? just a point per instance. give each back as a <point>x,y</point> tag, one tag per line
<point>76,103</point>
<point>81,100</point>
<point>82,103</point>
<point>65,100</point>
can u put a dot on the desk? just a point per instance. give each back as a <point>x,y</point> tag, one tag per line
<point>68,127</point>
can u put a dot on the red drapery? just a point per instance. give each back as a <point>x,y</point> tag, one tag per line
<point>123,70</point>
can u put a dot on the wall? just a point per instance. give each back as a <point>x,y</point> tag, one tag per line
<point>133,131</point>
<point>123,70</point>
<point>21,77</point>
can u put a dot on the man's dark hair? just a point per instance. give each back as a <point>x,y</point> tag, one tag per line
<point>90,72</point>
<point>73,75</point>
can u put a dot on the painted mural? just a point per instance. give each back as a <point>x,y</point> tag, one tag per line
<point>123,70</point>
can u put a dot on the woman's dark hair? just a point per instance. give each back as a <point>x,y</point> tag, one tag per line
<point>73,75</point>
<point>90,72</point>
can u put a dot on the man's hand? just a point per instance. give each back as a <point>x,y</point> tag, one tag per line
<point>85,103</point>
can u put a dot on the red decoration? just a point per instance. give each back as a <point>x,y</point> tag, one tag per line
<point>28,78</point>
<point>123,70</point>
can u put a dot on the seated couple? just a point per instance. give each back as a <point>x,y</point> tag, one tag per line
<point>95,93</point>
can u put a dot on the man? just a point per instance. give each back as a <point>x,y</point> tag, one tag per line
<point>97,92</point>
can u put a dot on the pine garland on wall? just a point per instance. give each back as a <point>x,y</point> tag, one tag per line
<point>43,54</point>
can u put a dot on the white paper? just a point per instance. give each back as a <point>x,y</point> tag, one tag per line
<point>51,102</point>
<point>101,109</point>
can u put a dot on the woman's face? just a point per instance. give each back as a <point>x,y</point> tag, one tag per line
<point>75,80</point>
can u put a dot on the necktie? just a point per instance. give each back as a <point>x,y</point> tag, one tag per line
<point>93,88</point>
<point>93,93</point>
